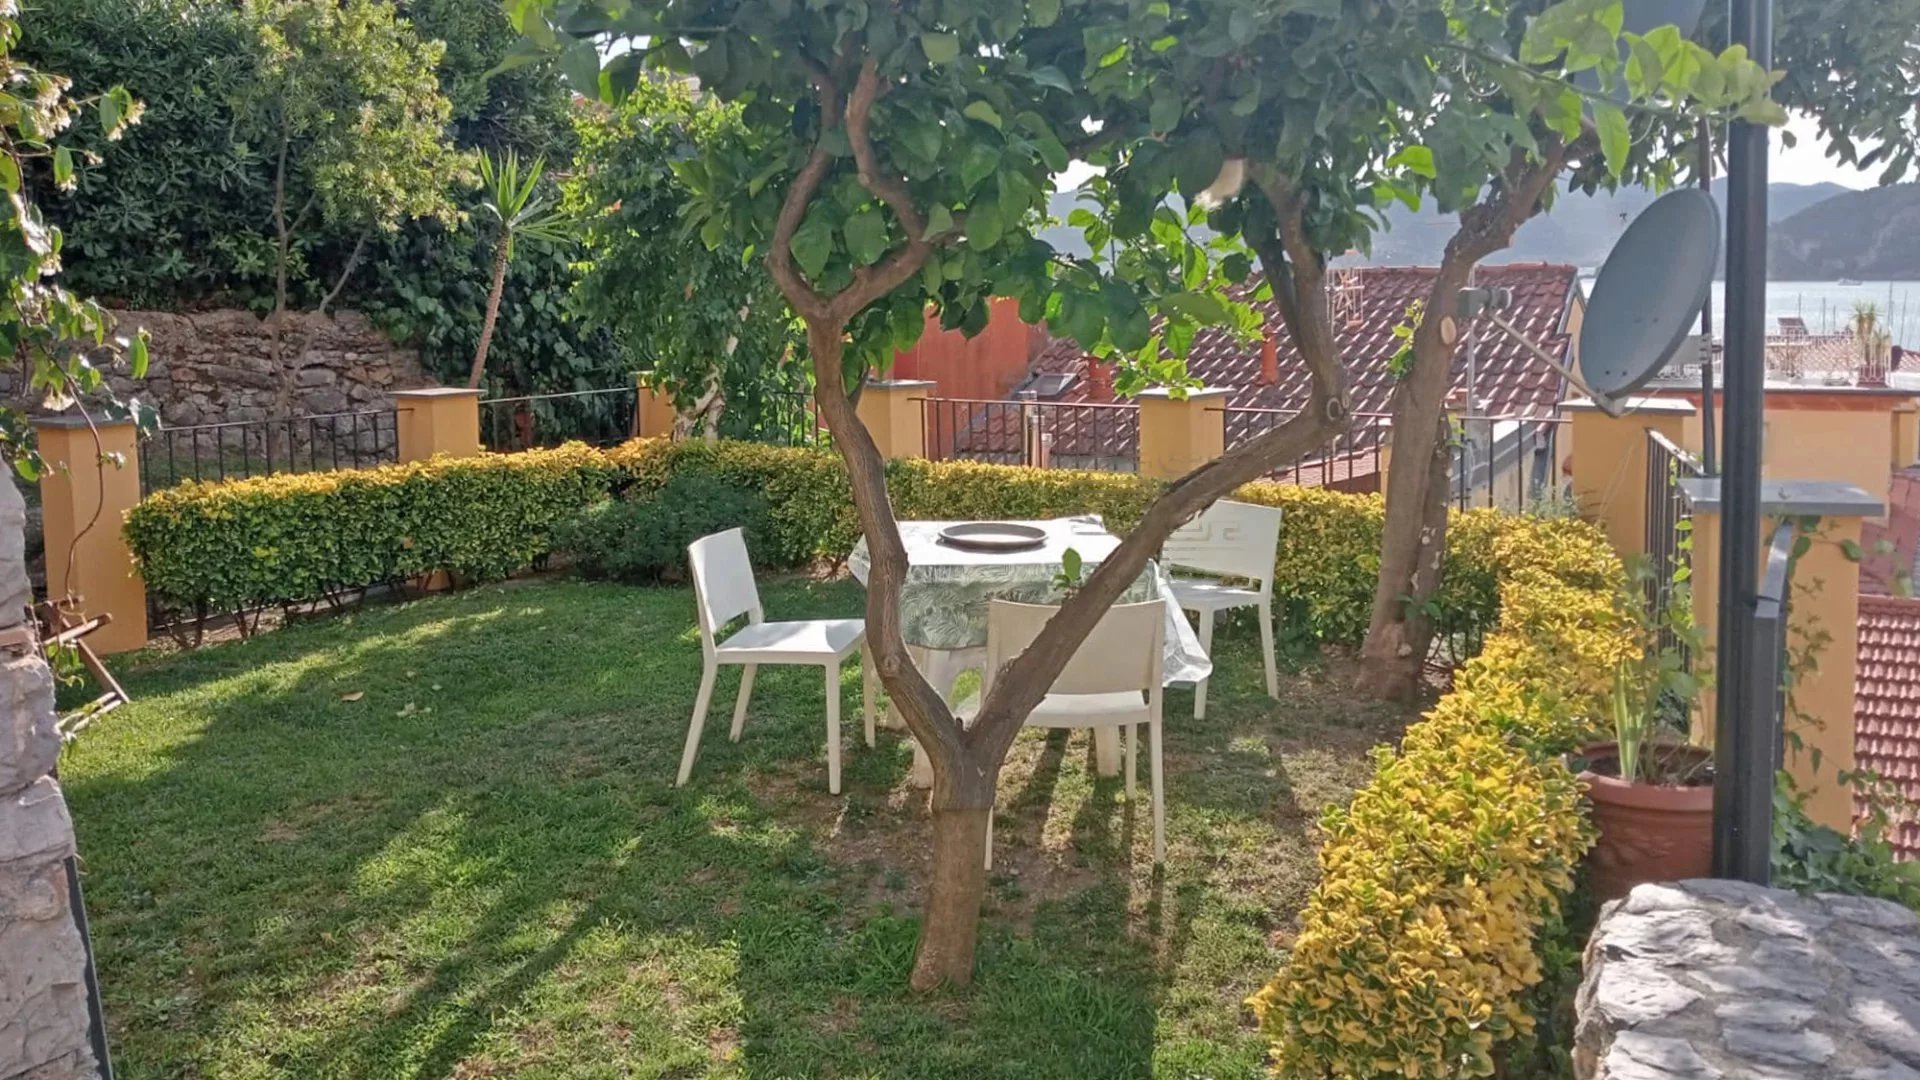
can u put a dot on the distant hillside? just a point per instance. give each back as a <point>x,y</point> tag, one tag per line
<point>1580,229</point>
<point>1867,235</point>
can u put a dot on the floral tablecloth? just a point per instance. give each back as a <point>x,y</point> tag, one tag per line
<point>944,603</point>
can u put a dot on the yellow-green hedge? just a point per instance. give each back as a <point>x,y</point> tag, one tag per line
<point>1419,943</point>
<point>293,537</point>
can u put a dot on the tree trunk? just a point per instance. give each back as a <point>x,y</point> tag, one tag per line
<point>1399,634</point>
<point>493,313</point>
<point>951,926</point>
<point>1413,542</point>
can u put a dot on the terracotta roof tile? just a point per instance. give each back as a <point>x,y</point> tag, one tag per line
<point>1886,705</point>
<point>1511,381</point>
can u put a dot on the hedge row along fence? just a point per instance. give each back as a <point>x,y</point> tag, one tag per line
<point>289,539</point>
<point>1439,880</point>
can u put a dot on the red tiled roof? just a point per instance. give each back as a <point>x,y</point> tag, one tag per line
<point>1511,381</point>
<point>1886,708</point>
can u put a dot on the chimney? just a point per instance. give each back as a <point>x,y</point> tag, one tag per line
<point>1099,377</point>
<point>1269,360</point>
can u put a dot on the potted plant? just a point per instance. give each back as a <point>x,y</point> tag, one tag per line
<point>1651,791</point>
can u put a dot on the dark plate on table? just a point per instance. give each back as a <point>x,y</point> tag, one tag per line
<point>993,536</point>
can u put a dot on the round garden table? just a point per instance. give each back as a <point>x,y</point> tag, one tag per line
<point>943,607</point>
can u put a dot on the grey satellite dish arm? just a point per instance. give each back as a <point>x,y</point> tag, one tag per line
<point>1606,404</point>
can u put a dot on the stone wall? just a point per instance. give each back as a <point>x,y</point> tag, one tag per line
<point>1718,979</point>
<point>43,1001</point>
<point>210,367</point>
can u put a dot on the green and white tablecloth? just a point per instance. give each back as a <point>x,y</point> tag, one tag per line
<point>944,603</point>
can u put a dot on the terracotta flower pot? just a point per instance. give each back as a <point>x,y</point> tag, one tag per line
<point>1648,832</point>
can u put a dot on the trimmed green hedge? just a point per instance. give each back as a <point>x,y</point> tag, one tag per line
<point>297,537</point>
<point>294,538</point>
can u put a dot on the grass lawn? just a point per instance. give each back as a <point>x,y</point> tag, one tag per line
<point>440,840</point>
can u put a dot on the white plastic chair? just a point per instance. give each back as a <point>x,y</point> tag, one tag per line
<point>1113,680</point>
<point>723,590</point>
<point>1232,540</point>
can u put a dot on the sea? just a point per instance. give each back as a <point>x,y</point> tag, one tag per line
<point>1827,306</point>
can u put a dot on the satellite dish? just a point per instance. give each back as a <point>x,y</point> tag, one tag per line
<point>1649,293</point>
<point>1645,301</point>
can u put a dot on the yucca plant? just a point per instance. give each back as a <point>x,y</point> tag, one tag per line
<point>512,202</point>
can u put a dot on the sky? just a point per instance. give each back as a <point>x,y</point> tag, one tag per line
<point>1806,163</point>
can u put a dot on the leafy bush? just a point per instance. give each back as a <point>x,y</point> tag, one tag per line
<point>1440,879</point>
<point>643,538</point>
<point>1811,857</point>
<point>298,537</point>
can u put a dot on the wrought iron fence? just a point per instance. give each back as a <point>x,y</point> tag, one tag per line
<point>1508,462</point>
<point>1669,530</point>
<point>1350,463</point>
<point>240,448</point>
<point>1044,434</point>
<point>778,418</point>
<point>597,417</point>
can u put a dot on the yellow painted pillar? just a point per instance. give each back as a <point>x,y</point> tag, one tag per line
<point>653,414</point>
<point>79,487</point>
<point>1178,435</point>
<point>1824,607</point>
<point>438,420</point>
<point>1906,436</point>
<point>893,414</point>
<point>1610,464</point>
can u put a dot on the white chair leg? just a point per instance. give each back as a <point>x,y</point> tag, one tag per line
<point>700,703</point>
<point>1266,646</point>
<point>1159,794</point>
<point>1206,646</point>
<point>1133,737</point>
<point>921,776</point>
<point>989,863</point>
<point>833,728</point>
<point>1106,751</point>
<point>866,694</point>
<point>740,703</point>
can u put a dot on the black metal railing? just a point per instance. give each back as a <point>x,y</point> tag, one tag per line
<point>1350,463</point>
<point>1043,434</point>
<point>596,417</point>
<point>777,418</point>
<point>1507,462</point>
<point>235,449</point>
<point>1669,530</point>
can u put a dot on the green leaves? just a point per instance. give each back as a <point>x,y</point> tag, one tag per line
<point>983,112</point>
<point>940,48</point>
<point>866,234</point>
<point>1616,140</point>
<point>813,245</point>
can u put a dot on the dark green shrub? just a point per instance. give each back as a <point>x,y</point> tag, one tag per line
<point>643,538</point>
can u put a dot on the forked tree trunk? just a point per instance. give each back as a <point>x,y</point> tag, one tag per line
<point>493,312</point>
<point>966,761</point>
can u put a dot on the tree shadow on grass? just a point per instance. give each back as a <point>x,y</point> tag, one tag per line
<point>479,866</point>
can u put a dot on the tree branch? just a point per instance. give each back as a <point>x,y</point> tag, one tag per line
<point>926,712</point>
<point>806,300</point>
<point>872,282</point>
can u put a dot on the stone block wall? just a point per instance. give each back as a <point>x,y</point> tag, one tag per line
<point>43,1002</point>
<point>1704,980</point>
<point>211,367</point>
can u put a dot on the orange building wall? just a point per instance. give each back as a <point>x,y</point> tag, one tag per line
<point>986,367</point>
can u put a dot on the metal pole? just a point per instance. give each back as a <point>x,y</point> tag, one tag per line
<point>1709,460</point>
<point>1740,845</point>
